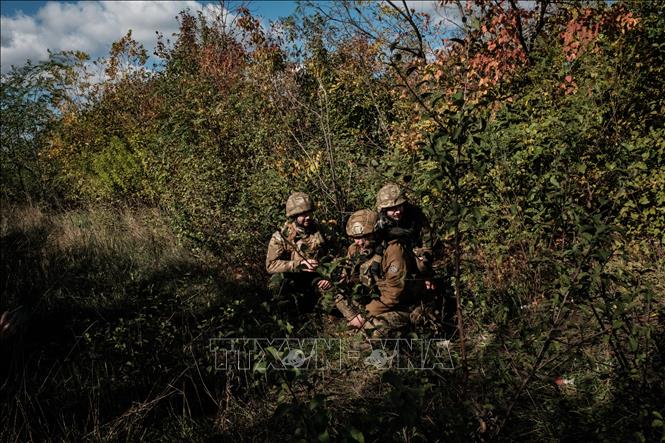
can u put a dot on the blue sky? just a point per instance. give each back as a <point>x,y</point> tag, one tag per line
<point>270,9</point>
<point>29,28</point>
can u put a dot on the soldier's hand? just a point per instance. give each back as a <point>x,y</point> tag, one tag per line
<point>310,265</point>
<point>324,284</point>
<point>357,322</point>
<point>430,285</point>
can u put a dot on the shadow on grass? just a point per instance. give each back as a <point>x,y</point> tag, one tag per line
<point>109,341</point>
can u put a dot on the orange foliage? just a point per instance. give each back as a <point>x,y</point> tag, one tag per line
<point>581,33</point>
<point>502,53</point>
<point>222,62</point>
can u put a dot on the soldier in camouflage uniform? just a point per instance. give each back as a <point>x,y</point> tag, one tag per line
<point>295,250</point>
<point>399,218</point>
<point>386,265</point>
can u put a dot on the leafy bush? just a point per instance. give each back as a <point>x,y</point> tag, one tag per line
<point>533,138</point>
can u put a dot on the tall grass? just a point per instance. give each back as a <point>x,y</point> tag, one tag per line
<point>114,305</point>
<point>87,255</point>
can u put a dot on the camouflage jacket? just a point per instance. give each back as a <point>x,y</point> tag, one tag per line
<point>358,265</point>
<point>291,245</point>
<point>396,286</point>
<point>414,231</point>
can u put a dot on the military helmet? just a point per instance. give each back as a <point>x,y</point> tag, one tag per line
<point>388,196</point>
<point>297,203</point>
<point>361,223</point>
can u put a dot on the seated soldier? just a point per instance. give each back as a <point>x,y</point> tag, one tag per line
<point>294,251</point>
<point>399,218</point>
<point>388,266</point>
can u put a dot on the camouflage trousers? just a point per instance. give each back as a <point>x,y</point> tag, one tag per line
<point>385,324</point>
<point>299,289</point>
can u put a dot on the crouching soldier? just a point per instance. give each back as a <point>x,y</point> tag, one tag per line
<point>294,251</point>
<point>386,265</point>
<point>400,218</point>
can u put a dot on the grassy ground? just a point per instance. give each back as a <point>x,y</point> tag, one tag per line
<point>118,308</point>
<point>118,314</point>
<point>116,347</point>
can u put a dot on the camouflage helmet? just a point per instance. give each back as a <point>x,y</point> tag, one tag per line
<point>388,196</point>
<point>297,203</point>
<point>361,223</point>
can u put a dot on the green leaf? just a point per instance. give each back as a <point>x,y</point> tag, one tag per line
<point>632,343</point>
<point>357,435</point>
<point>436,97</point>
<point>273,352</point>
<point>457,133</point>
<point>260,367</point>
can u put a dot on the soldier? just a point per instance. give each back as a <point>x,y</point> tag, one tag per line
<point>384,264</point>
<point>295,250</point>
<point>402,219</point>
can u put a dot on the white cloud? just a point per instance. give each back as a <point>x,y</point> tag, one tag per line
<point>88,26</point>
<point>447,16</point>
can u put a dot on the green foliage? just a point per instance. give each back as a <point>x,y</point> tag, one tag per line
<point>31,98</point>
<point>534,145</point>
<point>115,168</point>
